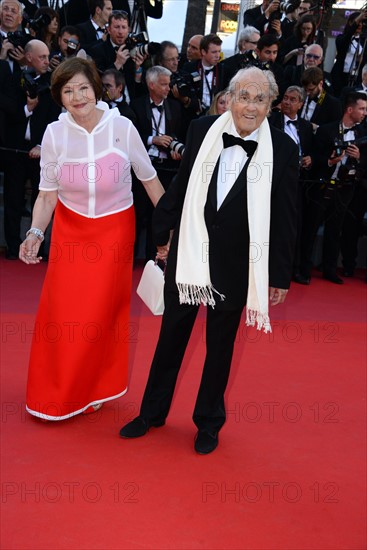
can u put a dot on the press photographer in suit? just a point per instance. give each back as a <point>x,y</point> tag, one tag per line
<point>222,207</point>
<point>340,163</point>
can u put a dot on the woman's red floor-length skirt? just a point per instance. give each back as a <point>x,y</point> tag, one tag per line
<point>79,354</point>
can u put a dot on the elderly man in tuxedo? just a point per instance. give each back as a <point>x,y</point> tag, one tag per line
<point>233,212</point>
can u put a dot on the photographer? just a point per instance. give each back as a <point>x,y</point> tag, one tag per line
<point>340,161</point>
<point>247,43</point>
<point>303,35</point>
<point>266,17</point>
<point>209,69</point>
<point>12,51</point>
<point>69,45</point>
<point>159,122</point>
<point>35,109</point>
<point>349,46</point>
<point>291,10</point>
<point>114,53</point>
<point>183,88</point>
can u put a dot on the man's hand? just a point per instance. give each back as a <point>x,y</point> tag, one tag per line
<point>353,151</point>
<point>55,62</point>
<point>277,295</point>
<point>275,24</point>
<point>306,162</point>
<point>175,156</point>
<point>334,159</point>
<point>35,152</point>
<point>162,252</point>
<point>17,54</point>
<point>6,47</point>
<point>32,103</point>
<point>122,55</point>
<point>162,141</point>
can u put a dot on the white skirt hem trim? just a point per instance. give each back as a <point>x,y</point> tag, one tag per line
<point>66,416</point>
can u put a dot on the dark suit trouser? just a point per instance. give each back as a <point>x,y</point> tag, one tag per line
<point>177,323</point>
<point>18,167</point>
<point>352,228</point>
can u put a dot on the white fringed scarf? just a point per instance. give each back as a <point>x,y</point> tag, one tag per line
<point>192,272</point>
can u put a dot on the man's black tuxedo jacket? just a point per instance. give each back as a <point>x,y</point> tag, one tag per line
<point>173,118</point>
<point>76,11</point>
<point>196,66</point>
<point>228,227</point>
<point>304,130</point>
<point>329,111</point>
<point>47,111</point>
<point>88,35</point>
<point>104,56</point>
<point>255,18</point>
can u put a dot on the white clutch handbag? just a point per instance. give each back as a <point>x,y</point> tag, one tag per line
<point>150,287</point>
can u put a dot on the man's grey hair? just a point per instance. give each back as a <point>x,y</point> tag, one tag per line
<point>246,34</point>
<point>272,90</point>
<point>20,6</point>
<point>300,91</point>
<point>312,47</point>
<point>364,69</point>
<point>155,72</point>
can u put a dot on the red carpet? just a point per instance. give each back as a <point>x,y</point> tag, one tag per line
<point>289,472</point>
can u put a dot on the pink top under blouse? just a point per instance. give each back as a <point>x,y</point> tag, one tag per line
<point>91,171</point>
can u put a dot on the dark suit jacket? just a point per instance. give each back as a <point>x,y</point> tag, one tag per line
<point>304,130</point>
<point>342,43</point>
<point>255,18</point>
<point>228,227</point>
<point>88,35</point>
<point>104,56</point>
<point>196,66</point>
<point>330,110</point>
<point>324,147</point>
<point>7,100</point>
<point>76,11</point>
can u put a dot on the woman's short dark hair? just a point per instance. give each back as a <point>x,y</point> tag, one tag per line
<point>69,68</point>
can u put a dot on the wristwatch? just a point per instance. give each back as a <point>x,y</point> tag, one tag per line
<point>35,231</point>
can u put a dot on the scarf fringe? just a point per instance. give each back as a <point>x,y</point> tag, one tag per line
<point>196,295</point>
<point>261,320</point>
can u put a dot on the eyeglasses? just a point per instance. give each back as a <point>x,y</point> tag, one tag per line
<point>252,42</point>
<point>312,56</point>
<point>170,59</point>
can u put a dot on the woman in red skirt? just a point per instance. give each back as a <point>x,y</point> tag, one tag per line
<point>79,352</point>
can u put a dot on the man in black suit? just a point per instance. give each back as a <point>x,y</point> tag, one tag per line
<point>246,45</point>
<point>209,69</point>
<point>300,130</point>
<point>94,29</point>
<point>113,93</point>
<point>264,17</point>
<point>11,15</point>
<point>159,122</point>
<point>114,54</point>
<point>320,107</point>
<point>209,256</point>
<point>35,109</point>
<point>339,168</point>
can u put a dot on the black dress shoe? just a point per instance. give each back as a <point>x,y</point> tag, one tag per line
<point>138,427</point>
<point>348,272</point>
<point>206,442</point>
<point>300,279</point>
<point>333,278</point>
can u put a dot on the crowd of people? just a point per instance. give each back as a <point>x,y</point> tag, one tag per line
<point>99,119</point>
<point>162,90</point>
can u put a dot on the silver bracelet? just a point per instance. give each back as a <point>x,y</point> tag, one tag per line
<point>35,231</point>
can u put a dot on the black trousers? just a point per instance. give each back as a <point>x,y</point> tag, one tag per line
<point>177,323</point>
<point>18,167</point>
<point>331,211</point>
<point>353,228</point>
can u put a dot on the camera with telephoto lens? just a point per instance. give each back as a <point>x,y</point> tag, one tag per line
<point>176,146</point>
<point>19,38</point>
<point>40,23</point>
<point>138,43</point>
<point>187,83</point>
<point>31,86</point>
<point>72,47</point>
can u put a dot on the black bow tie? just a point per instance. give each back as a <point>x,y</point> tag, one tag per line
<point>295,122</point>
<point>159,107</point>
<point>207,71</point>
<point>248,146</point>
<point>352,129</point>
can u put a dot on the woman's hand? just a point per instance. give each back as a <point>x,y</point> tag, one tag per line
<point>28,250</point>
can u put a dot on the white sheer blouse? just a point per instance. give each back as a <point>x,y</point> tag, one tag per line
<point>91,171</point>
